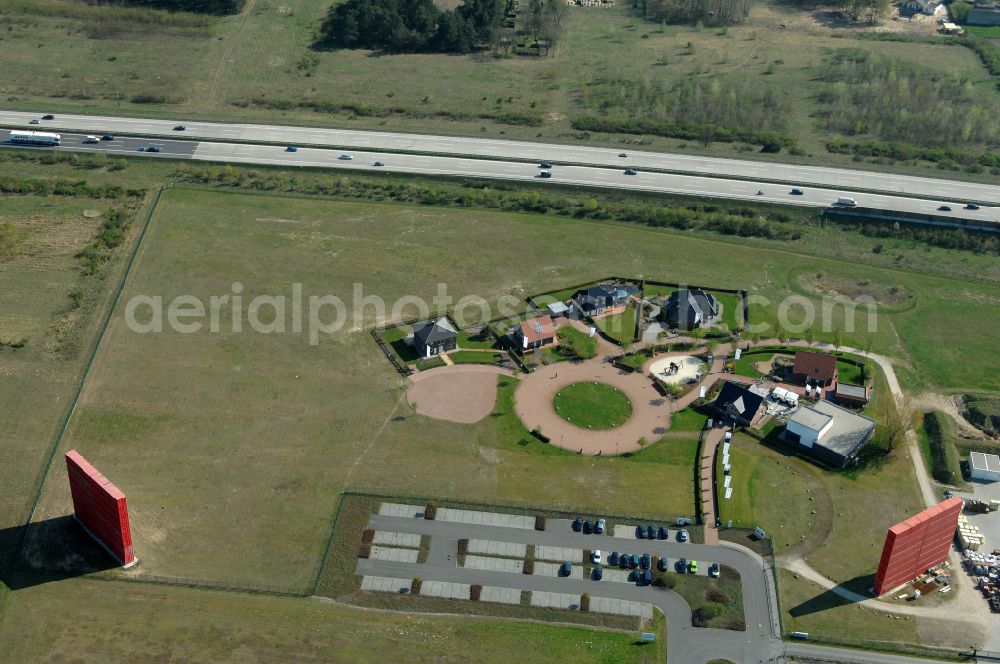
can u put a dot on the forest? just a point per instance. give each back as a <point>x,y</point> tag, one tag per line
<point>707,12</point>
<point>412,26</point>
<point>215,7</point>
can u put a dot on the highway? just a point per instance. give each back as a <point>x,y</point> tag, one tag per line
<point>588,176</point>
<point>382,142</point>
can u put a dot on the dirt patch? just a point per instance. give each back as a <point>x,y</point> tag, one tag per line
<point>947,405</point>
<point>462,393</point>
<point>828,285</point>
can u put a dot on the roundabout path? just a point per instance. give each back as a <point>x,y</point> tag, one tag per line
<point>650,411</point>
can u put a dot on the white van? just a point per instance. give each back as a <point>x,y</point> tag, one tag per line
<point>91,139</point>
<point>846,201</point>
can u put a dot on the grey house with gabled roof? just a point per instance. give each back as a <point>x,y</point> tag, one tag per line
<point>689,308</point>
<point>433,337</point>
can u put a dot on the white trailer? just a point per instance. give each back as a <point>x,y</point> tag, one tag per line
<point>34,138</point>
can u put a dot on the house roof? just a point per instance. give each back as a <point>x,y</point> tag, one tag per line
<point>538,329</point>
<point>603,293</point>
<point>430,332</point>
<point>810,418</point>
<point>847,432</point>
<point>557,308</point>
<point>744,399</point>
<point>819,366</point>
<point>987,462</point>
<point>849,390</point>
<point>687,302</point>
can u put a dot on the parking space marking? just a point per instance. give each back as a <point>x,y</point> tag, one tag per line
<point>555,600</point>
<point>621,607</point>
<point>392,555</point>
<point>385,584</point>
<point>400,509</point>
<point>494,564</point>
<point>552,569</point>
<point>447,589</point>
<point>486,518</point>
<point>500,595</point>
<point>387,538</point>
<point>495,548</point>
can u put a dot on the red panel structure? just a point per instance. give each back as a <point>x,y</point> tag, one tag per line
<point>917,544</point>
<point>100,508</point>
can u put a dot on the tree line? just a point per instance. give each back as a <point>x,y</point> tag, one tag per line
<point>215,7</point>
<point>411,26</point>
<point>707,12</point>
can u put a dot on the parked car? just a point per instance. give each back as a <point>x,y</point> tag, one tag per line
<point>796,192</point>
<point>108,137</point>
<point>578,524</point>
<point>291,148</point>
<point>662,564</point>
<point>545,164</point>
<point>944,208</point>
<point>595,557</point>
<point>663,533</point>
<point>683,520</point>
<point>566,568</point>
<point>623,562</point>
<point>641,532</point>
<point>602,524</point>
<point>971,206</point>
<point>346,157</point>
<point>179,128</point>
<point>682,565</point>
<point>629,171</point>
<point>378,163</point>
<point>544,174</point>
<point>613,559</point>
<point>644,561</point>
<point>634,561</point>
<point>597,574</point>
<point>48,117</point>
<point>35,121</point>
<point>647,578</point>
<point>588,527</point>
<point>693,567</point>
<point>714,571</point>
<point>153,148</point>
<point>633,576</point>
<point>682,535</point>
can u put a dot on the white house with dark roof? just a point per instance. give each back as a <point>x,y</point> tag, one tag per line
<point>828,432</point>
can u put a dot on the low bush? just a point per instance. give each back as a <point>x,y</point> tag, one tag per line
<point>415,585</point>
<point>705,613</point>
<point>528,567</point>
<point>368,536</point>
<point>364,550</point>
<point>463,546</point>
<point>539,522</point>
<point>585,602</point>
<point>475,592</point>
<point>430,510</point>
<point>940,467</point>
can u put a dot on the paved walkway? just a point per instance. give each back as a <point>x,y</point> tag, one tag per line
<point>708,446</point>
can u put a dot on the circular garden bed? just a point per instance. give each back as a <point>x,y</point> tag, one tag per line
<point>593,405</point>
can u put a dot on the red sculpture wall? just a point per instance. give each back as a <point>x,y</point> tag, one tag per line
<point>100,508</point>
<point>917,544</point>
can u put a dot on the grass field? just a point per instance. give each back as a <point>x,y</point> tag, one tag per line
<point>259,66</point>
<point>158,624</point>
<point>620,327</point>
<point>593,405</point>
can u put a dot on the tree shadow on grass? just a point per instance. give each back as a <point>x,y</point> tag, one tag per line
<point>49,550</point>
<point>832,599</point>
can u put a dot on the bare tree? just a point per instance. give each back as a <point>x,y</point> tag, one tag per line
<point>895,414</point>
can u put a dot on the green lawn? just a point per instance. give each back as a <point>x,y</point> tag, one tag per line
<point>593,405</point>
<point>744,365</point>
<point>576,344</point>
<point>688,419</point>
<point>473,357</point>
<point>620,327</point>
<point>481,341</point>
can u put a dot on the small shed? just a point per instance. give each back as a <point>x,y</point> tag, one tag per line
<point>984,467</point>
<point>558,309</point>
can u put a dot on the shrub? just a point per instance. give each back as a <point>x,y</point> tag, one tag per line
<point>430,510</point>
<point>463,546</point>
<point>585,602</point>
<point>475,591</point>
<point>940,469</point>
<point>365,550</point>
<point>528,567</point>
<point>705,613</point>
<point>368,536</point>
<point>717,596</point>
<point>539,522</point>
<point>415,585</point>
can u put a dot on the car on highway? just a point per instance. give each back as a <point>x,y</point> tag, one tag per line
<point>693,567</point>
<point>578,524</point>
<point>713,570</point>
<point>91,139</point>
<point>796,192</point>
<point>179,128</point>
<point>629,171</point>
<point>601,525</point>
<point>613,559</point>
<point>944,208</point>
<point>566,568</point>
<point>622,154</point>
<point>153,148</point>
<point>142,148</point>
<point>971,206</point>
<point>545,164</point>
<point>291,148</point>
<point>596,557</point>
<point>48,117</point>
<point>644,561</point>
<point>597,574</point>
<point>682,535</point>
<point>107,137</point>
<point>379,163</point>
<point>35,121</point>
<point>681,565</point>
<point>588,527</point>
<point>662,564</point>
<point>346,157</point>
<point>544,174</point>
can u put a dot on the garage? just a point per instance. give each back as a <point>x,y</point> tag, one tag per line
<point>984,467</point>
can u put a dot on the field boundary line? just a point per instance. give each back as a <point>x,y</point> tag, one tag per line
<point>85,373</point>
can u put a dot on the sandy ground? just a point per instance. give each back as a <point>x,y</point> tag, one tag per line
<point>462,393</point>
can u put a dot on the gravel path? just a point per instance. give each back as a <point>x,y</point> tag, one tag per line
<point>462,393</point>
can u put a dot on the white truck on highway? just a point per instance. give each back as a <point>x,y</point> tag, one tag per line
<point>846,201</point>
<point>34,138</point>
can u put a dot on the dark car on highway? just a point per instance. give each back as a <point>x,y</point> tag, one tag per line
<point>180,128</point>
<point>796,192</point>
<point>944,208</point>
<point>971,206</point>
<point>48,117</point>
<point>107,137</point>
<point>629,171</point>
<point>153,148</point>
<point>291,148</point>
<point>545,164</point>
<point>578,524</point>
<point>544,174</point>
<point>378,163</point>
